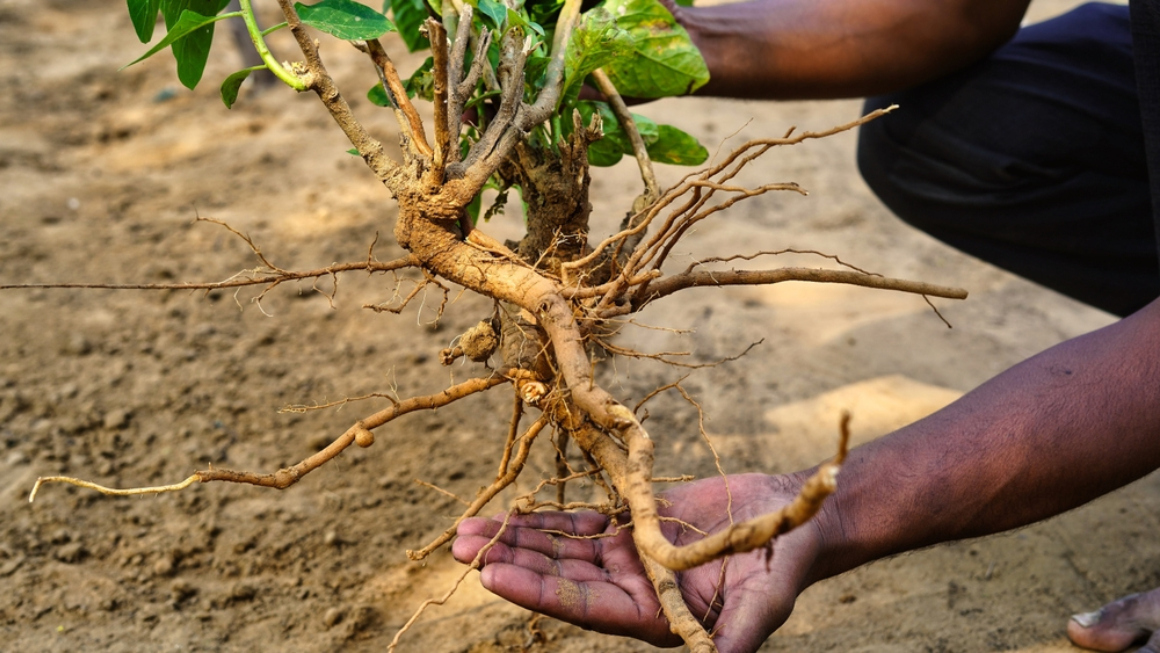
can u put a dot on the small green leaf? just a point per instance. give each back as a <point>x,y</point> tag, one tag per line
<point>648,129</point>
<point>422,82</point>
<point>596,42</point>
<point>378,96</point>
<point>666,62</point>
<point>190,46</point>
<point>517,19</point>
<point>386,7</point>
<point>664,144</point>
<point>474,207</point>
<point>233,84</point>
<point>143,13</point>
<point>345,19</point>
<point>683,3</point>
<point>544,12</point>
<point>494,11</point>
<point>675,147</point>
<point>409,17</point>
<point>192,51</point>
<point>614,144</point>
<point>353,151</point>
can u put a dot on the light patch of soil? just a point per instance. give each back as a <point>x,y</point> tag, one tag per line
<point>102,174</point>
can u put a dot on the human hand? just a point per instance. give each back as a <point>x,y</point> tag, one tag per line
<point>598,582</point>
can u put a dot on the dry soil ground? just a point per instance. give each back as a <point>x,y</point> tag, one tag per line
<point>102,173</point>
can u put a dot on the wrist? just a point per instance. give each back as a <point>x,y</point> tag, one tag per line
<point>838,548</point>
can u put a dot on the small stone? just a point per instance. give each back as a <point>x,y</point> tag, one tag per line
<point>181,590</point>
<point>243,592</point>
<point>363,617</point>
<point>71,553</point>
<point>164,565</point>
<point>332,617</point>
<point>116,419</point>
<point>17,458</point>
<point>331,539</point>
<point>77,345</point>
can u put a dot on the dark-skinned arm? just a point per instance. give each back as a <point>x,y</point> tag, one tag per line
<point>1057,430</point>
<point>796,49</point>
<point>1051,433</point>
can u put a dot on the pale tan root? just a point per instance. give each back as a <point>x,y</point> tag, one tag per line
<point>487,494</point>
<point>359,433</point>
<point>475,564</point>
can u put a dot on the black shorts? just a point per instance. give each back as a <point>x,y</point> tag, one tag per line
<point>1032,159</point>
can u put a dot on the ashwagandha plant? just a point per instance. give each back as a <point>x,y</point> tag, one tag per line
<point>505,78</point>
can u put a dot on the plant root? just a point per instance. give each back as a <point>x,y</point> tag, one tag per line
<point>359,433</point>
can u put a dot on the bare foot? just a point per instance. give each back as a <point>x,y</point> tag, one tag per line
<point>1119,624</point>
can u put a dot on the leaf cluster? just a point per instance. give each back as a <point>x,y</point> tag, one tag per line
<point>637,43</point>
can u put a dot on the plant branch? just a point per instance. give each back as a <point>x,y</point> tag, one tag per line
<point>699,278</point>
<point>319,80</point>
<point>236,282</point>
<point>439,53</point>
<point>651,190</point>
<point>405,112</point>
<point>257,36</point>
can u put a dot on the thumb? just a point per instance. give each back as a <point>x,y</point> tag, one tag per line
<point>748,617</point>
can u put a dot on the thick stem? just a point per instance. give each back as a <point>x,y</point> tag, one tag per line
<point>256,35</point>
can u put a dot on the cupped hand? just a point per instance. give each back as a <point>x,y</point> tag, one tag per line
<point>583,568</point>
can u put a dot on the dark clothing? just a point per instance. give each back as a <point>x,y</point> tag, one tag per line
<point>1032,159</point>
<point>1146,49</point>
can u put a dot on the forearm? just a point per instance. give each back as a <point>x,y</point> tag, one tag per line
<point>792,49</point>
<point>1050,434</point>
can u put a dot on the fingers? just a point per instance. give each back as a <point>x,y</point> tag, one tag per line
<point>1119,624</point>
<point>524,532</point>
<point>578,570</point>
<point>597,605</point>
<point>746,619</point>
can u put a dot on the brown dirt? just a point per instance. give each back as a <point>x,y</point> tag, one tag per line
<point>102,174</point>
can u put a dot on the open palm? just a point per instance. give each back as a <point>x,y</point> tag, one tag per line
<point>597,582</point>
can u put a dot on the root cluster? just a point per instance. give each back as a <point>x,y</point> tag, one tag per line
<point>558,299</point>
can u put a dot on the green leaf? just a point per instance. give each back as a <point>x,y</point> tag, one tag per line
<point>409,17</point>
<point>544,12</point>
<point>675,147</point>
<point>596,42</point>
<point>143,13</point>
<point>353,151</point>
<point>665,61</point>
<point>422,82</point>
<point>683,3</point>
<point>386,7</point>
<point>615,143</point>
<point>192,51</point>
<point>378,96</point>
<point>190,37</point>
<point>345,19</point>
<point>517,19</point>
<point>494,11</point>
<point>233,84</point>
<point>664,144</point>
